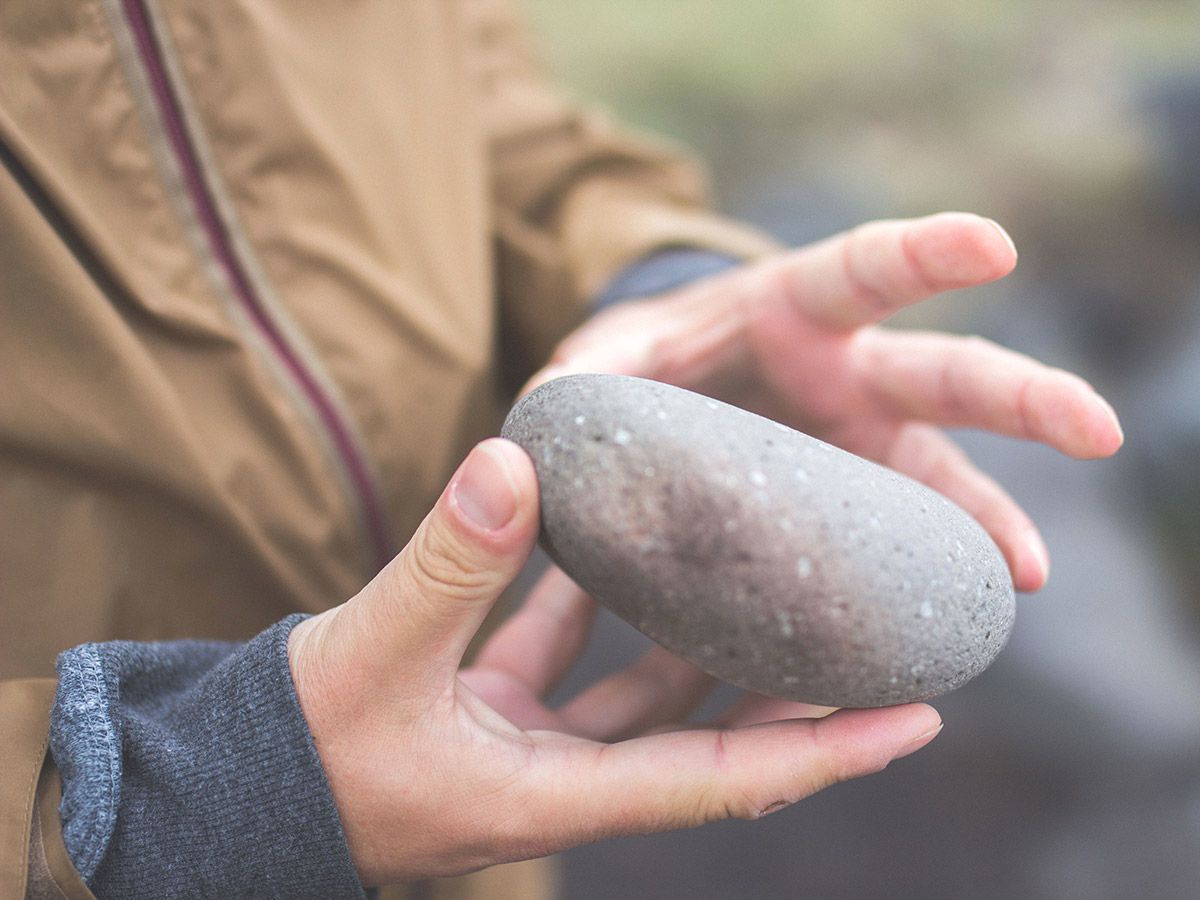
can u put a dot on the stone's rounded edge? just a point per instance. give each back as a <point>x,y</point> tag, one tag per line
<point>842,672</point>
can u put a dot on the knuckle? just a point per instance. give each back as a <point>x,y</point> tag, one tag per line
<point>742,805</point>
<point>920,280</point>
<point>727,798</point>
<point>435,560</point>
<point>865,293</point>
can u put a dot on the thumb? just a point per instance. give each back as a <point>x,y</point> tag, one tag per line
<point>427,604</point>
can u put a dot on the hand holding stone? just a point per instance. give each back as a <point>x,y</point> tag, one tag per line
<point>768,558</point>
<point>793,337</point>
<point>438,772</point>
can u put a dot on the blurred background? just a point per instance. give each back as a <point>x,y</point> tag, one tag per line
<point>1071,769</point>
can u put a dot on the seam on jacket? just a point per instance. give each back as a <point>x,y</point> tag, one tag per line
<point>88,755</point>
<point>59,222</point>
<point>296,339</point>
<point>49,888</point>
<point>27,809</point>
<point>62,870</point>
<point>173,179</point>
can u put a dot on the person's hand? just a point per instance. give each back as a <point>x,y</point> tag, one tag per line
<point>437,771</point>
<point>793,338</point>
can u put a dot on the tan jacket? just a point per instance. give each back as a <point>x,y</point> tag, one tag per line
<point>268,269</point>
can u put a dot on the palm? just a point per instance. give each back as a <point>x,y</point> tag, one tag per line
<point>532,650</point>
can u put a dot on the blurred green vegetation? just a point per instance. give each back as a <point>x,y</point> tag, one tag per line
<point>924,95</point>
<point>1034,113</point>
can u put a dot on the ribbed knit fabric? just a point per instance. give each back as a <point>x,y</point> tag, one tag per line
<point>662,271</point>
<point>188,771</point>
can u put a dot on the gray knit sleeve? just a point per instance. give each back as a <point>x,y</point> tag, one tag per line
<point>188,771</point>
<point>662,271</point>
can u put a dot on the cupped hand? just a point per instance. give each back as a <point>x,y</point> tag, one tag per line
<point>437,771</point>
<point>794,337</point>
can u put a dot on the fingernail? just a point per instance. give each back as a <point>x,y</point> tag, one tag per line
<point>1004,234</point>
<point>774,807</point>
<point>484,488</point>
<point>919,741</point>
<point>1037,547</point>
<point>1107,409</point>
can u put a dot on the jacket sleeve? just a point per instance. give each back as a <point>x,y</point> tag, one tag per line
<point>33,859</point>
<point>576,199</point>
<point>187,769</point>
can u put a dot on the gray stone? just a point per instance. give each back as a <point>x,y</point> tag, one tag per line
<point>768,558</point>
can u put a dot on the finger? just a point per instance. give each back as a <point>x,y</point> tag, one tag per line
<point>540,377</point>
<point>924,453</point>
<point>971,382</point>
<point>754,709</point>
<point>865,275</point>
<point>421,611</point>
<point>687,778</point>
<point>660,687</point>
<point>543,639</point>
<point>599,347</point>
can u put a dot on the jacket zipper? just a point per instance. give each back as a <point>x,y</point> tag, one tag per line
<point>337,429</point>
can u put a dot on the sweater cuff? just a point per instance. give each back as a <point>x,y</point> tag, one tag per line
<point>188,770</point>
<point>662,271</point>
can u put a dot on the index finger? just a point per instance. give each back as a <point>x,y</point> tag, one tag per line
<point>687,778</point>
<point>865,275</point>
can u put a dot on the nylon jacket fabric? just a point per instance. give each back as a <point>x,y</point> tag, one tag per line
<point>267,270</point>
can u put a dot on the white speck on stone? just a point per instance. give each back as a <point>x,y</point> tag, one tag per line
<point>801,475</point>
<point>649,471</point>
<point>786,525</point>
<point>926,610</point>
<point>758,479</point>
<point>731,525</point>
<point>578,482</point>
<point>711,404</point>
<point>622,437</point>
<point>893,680</point>
<point>731,481</point>
<point>579,420</point>
<point>785,623</point>
<point>874,522</point>
<point>558,439</point>
<point>804,567</point>
<point>791,679</point>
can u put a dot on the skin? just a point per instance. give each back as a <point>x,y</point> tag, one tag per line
<point>438,769</point>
